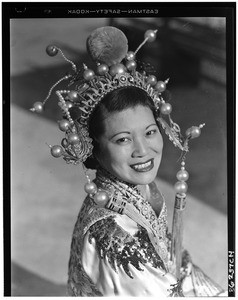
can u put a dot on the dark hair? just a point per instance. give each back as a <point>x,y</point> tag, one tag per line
<point>115,101</point>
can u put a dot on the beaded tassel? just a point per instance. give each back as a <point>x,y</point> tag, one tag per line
<point>177,229</point>
<point>181,188</point>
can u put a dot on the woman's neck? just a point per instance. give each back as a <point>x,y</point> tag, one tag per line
<point>144,190</point>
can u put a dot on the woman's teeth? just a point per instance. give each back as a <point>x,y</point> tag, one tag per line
<point>143,167</point>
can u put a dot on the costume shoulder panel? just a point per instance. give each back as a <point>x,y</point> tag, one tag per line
<point>122,248</point>
<point>79,283</point>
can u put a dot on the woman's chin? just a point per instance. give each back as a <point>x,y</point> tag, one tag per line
<point>142,178</point>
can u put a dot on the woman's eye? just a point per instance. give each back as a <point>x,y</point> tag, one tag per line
<point>151,132</point>
<point>122,140</point>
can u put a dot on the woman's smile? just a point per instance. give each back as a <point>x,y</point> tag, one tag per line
<point>143,167</point>
<point>131,145</point>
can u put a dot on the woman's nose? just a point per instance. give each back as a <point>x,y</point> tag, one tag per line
<point>140,148</point>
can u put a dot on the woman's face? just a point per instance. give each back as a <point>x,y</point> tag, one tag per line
<point>131,146</point>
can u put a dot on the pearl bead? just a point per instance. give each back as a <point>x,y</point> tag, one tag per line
<point>88,74</point>
<point>69,104</point>
<point>166,108</point>
<point>101,197</point>
<point>51,50</point>
<point>117,69</point>
<point>181,187</point>
<point>131,65</point>
<point>193,132</point>
<point>130,55</point>
<point>73,95</point>
<point>160,86</point>
<point>73,138</point>
<point>150,35</point>
<point>64,125</point>
<point>90,188</point>
<point>38,107</point>
<point>102,69</point>
<point>56,151</point>
<point>182,175</point>
<point>152,80</point>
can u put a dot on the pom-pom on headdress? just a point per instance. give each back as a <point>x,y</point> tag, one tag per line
<point>115,67</point>
<point>107,45</point>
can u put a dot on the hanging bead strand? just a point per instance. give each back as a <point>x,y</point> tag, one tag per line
<point>63,105</point>
<point>52,50</point>
<point>181,186</point>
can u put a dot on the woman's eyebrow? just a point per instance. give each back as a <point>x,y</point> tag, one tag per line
<point>127,132</point>
<point>153,124</point>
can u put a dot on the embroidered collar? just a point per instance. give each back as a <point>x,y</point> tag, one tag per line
<point>126,199</point>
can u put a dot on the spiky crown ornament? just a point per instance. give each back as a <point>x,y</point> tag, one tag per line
<point>116,67</point>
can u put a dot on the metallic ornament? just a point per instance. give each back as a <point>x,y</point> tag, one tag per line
<point>101,197</point>
<point>131,65</point>
<point>90,188</point>
<point>102,69</point>
<point>193,132</point>
<point>182,175</point>
<point>166,108</point>
<point>37,107</point>
<point>64,125</point>
<point>150,35</point>
<point>64,142</point>
<point>160,86</point>
<point>51,50</point>
<point>88,74</point>
<point>130,55</point>
<point>73,138</point>
<point>73,95</point>
<point>56,151</point>
<point>181,187</point>
<point>152,80</point>
<point>117,69</point>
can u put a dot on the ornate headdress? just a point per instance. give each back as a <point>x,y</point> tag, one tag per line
<point>116,68</point>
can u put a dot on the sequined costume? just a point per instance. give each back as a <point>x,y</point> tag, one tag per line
<point>123,249</point>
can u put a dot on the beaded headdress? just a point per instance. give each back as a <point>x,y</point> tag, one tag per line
<point>116,67</point>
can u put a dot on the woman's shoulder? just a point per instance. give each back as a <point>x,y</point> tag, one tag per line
<point>92,214</point>
<point>89,214</point>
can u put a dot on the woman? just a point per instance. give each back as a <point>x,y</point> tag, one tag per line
<point>113,123</point>
<point>117,255</point>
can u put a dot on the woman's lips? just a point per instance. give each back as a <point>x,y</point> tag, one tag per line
<point>143,167</point>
